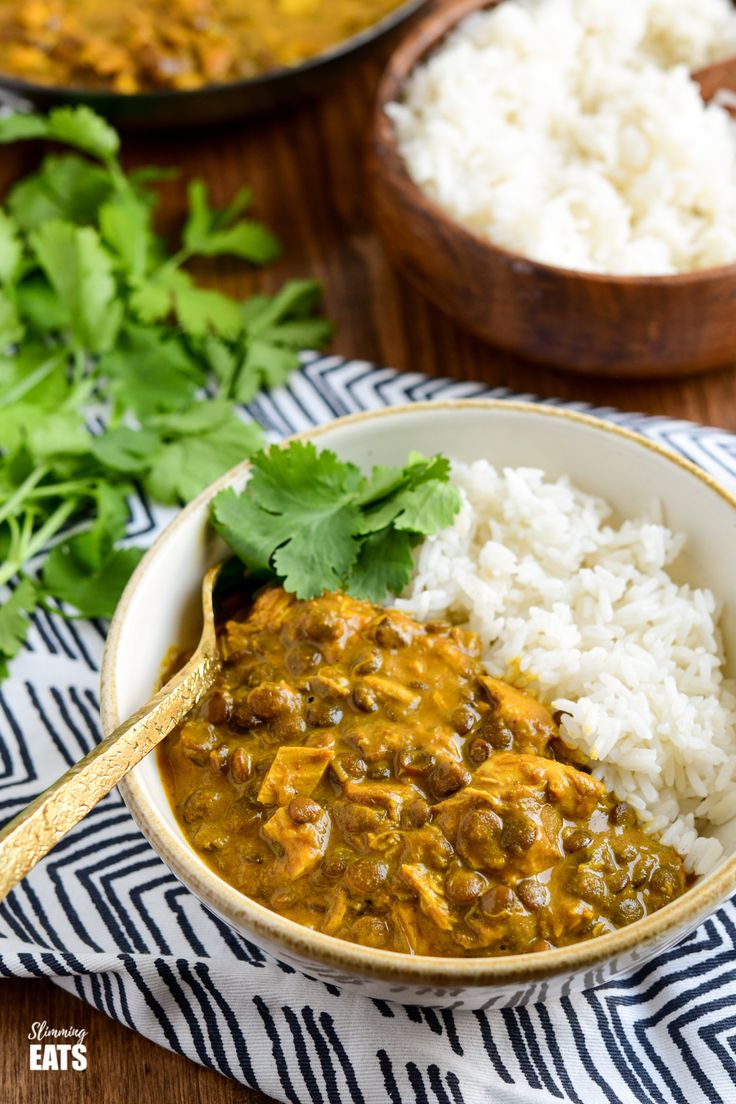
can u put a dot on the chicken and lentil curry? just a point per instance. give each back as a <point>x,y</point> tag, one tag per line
<point>361,774</point>
<point>171,44</point>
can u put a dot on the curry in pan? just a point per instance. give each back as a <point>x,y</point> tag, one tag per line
<point>361,774</point>
<point>171,44</point>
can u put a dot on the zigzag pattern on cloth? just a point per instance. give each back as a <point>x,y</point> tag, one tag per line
<point>103,917</point>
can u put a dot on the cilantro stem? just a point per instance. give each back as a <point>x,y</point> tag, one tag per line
<point>176,260</point>
<point>120,180</point>
<point>16,544</point>
<point>27,530</point>
<point>22,534</point>
<point>80,392</point>
<point>50,527</point>
<point>11,568</point>
<point>22,387</point>
<point>80,487</point>
<point>80,364</point>
<point>21,493</point>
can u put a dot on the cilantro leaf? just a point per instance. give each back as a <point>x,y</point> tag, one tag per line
<point>11,327</point>
<point>202,310</point>
<point>150,301</point>
<point>276,329</point>
<point>428,507</point>
<point>198,311</point>
<point>308,559</point>
<point>33,375</point>
<point>211,233</point>
<point>79,270</point>
<point>126,450</point>
<point>58,433</point>
<point>384,564</point>
<point>301,503</point>
<point>196,447</point>
<point>75,126</point>
<point>47,434</point>
<point>85,129</point>
<point>13,128</point>
<point>238,519</point>
<point>264,365</point>
<point>316,523</point>
<point>94,547</point>
<point>298,333</point>
<point>40,305</point>
<point>93,593</point>
<point>222,359</point>
<point>150,371</point>
<point>11,249</point>
<point>296,299</point>
<point>15,614</point>
<point>385,481</point>
<point>125,225</point>
<point>65,187</point>
<point>416,497</point>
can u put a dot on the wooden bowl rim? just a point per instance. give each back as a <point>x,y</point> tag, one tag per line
<point>422,39</point>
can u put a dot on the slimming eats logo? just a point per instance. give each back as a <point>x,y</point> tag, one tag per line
<point>68,1052</point>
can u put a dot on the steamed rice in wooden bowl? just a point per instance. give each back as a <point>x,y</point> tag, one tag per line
<point>547,172</point>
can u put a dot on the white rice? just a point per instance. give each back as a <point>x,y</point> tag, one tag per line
<point>585,615</point>
<point>570,131</point>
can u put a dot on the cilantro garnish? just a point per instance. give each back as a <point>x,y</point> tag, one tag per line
<point>99,313</point>
<point>317,523</point>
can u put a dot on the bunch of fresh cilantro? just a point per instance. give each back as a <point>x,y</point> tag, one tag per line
<point>98,315</point>
<point>316,523</point>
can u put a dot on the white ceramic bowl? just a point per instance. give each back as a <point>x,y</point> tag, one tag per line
<point>160,607</point>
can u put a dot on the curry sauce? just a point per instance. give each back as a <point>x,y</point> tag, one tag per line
<point>361,774</point>
<point>171,44</point>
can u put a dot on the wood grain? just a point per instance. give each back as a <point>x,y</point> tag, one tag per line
<point>720,77</point>
<point>306,169</point>
<point>123,1068</point>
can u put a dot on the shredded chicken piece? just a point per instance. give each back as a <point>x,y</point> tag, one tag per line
<point>427,884</point>
<point>337,911</point>
<point>295,770</point>
<point>303,844</point>
<point>390,796</point>
<point>525,716</point>
<point>574,792</point>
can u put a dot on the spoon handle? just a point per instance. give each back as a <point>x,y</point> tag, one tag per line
<point>33,833</point>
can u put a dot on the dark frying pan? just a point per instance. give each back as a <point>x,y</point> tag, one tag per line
<point>213,103</point>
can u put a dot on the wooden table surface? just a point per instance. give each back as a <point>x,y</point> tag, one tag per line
<point>305,166</point>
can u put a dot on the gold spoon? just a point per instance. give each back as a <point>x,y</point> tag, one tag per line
<point>720,77</point>
<point>33,833</point>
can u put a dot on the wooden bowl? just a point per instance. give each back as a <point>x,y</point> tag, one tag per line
<point>626,326</point>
